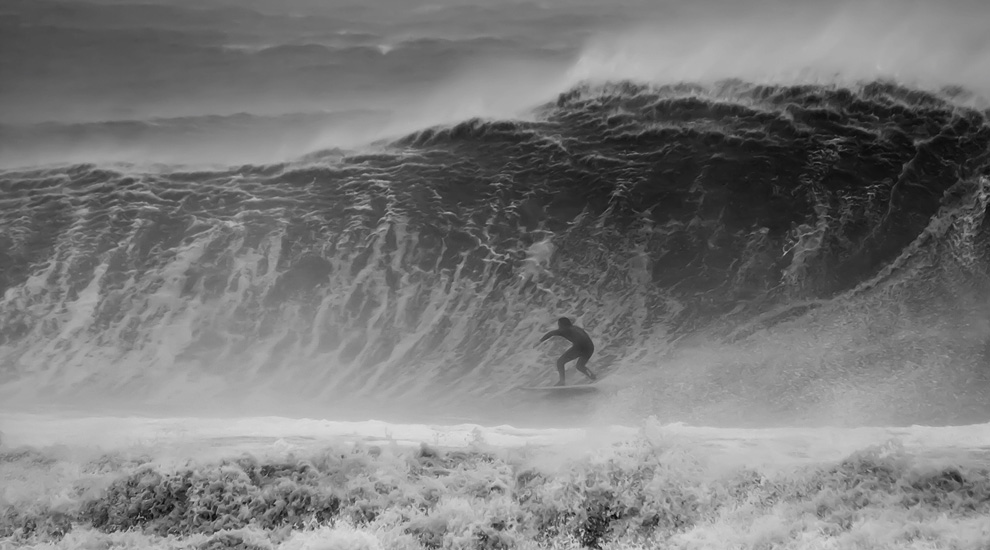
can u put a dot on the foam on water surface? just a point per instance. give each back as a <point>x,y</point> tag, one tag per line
<point>274,482</point>
<point>280,434</point>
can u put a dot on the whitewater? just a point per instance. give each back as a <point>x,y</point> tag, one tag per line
<point>272,275</point>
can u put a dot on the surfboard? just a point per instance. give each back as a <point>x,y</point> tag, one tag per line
<point>564,389</point>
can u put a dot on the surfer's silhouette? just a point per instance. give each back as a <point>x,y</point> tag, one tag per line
<point>581,350</point>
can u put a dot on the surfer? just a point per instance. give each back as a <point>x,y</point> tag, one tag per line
<point>581,349</point>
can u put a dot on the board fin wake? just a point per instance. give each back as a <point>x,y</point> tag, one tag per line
<point>574,388</point>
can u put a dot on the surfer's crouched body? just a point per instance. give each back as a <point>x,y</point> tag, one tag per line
<point>581,350</point>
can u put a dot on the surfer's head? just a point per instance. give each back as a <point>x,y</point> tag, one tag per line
<point>563,322</point>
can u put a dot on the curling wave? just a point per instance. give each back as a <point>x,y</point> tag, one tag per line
<point>656,216</point>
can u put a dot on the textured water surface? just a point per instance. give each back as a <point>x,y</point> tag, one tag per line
<point>272,274</point>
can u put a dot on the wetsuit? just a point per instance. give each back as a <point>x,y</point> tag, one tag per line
<point>581,349</point>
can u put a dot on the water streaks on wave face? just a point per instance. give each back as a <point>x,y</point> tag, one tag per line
<point>426,269</point>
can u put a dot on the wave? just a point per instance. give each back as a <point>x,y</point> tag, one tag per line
<point>657,217</point>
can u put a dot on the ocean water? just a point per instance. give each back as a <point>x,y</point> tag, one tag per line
<point>273,273</point>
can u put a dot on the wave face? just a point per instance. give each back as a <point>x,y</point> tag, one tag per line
<point>844,227</point>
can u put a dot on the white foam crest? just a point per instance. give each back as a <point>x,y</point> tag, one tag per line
<point>769,42</point>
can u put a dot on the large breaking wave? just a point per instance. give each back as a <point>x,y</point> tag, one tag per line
<point>722,243</point>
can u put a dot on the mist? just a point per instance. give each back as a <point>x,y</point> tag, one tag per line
<point>308,71</point>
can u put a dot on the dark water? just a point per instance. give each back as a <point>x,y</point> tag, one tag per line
<point>352,208</point>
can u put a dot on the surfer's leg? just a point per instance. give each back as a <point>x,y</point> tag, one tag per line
<point>568,356</point>
<point>582,361</point>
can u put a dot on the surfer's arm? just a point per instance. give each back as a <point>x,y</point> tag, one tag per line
<point>549,335</point>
